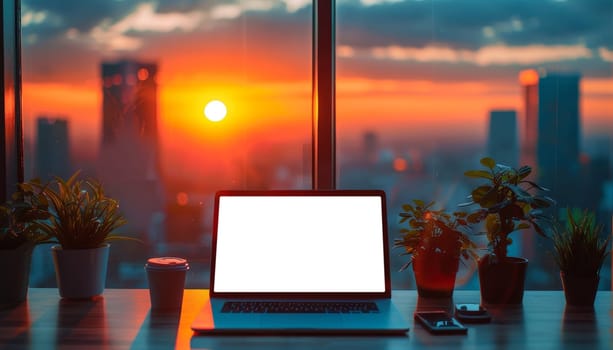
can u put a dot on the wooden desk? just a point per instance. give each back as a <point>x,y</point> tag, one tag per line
<point>121,319</point>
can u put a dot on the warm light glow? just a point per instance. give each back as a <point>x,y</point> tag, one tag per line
<point>143,74</point>
<point>400,164</point>
<point>215,111</point>
<point>528,77</point>
<point>182,199</point>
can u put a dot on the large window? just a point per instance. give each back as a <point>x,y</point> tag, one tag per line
<point>427,88</point>
<point>117,89</point>
<point>424,89</point>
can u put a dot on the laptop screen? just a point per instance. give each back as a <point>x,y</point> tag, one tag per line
<point>300,242</point>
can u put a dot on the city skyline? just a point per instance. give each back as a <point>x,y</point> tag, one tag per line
<point>416,81</point>
<point>423,174</point>
<point>417,71</point>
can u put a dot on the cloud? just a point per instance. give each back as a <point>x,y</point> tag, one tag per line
<point>605,54</point>
<point>35,17</point>
<point>377,2</point>
<point>127,33</point>
<point>471,24</point>
<point>145,19</point>
<point>426,54</point>
<point>226,11</point>
<point>295,5</point>
<point>574,35</point>
<point>82,15</point>
<point>120,36</point>
<point>492,55</point>
<point>528,55</point>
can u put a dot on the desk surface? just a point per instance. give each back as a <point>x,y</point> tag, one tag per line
<point>121,319</point>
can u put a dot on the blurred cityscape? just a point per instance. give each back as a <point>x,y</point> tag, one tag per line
<point>173,214</point>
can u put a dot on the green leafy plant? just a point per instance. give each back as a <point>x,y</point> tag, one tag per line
<point>20,217</point>
<point>578,248</point>
<point>433,230</point>
<point>82,216</point>
<point>508,202</point>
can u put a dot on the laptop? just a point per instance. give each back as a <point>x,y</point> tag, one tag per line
<point>300,261</point>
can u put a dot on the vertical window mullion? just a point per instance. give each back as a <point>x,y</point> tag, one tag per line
<point>11,147</point>
<point>324,89</point>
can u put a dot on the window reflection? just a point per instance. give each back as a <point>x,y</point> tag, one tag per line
<point>426,88</point>
<point>118,89</point>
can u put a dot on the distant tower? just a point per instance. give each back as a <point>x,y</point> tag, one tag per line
<point>129,155</point>
<point>502,137</point>
<point>130,103</point>
<point>52,148</point>
<point>371,147</point>
<point>529,80</point>
<point>558,135</point>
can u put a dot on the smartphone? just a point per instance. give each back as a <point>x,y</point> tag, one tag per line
<point>440,322</point>
<point>472,313</point>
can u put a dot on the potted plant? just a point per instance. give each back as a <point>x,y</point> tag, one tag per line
<point>83,220</point>
<point>19,233</point>
<point>579,252</point>
<point>507,203</point>
<point>435,241</point>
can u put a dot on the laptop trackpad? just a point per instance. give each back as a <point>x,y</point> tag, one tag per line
<point>301,321</point>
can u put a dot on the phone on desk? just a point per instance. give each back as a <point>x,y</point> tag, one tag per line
<point>440,322</point>
<point>472,313</point>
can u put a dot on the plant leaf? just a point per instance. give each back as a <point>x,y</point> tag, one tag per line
<point>488,162</point>
<point>479,174</point>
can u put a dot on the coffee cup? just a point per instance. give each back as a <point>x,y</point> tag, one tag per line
<point>166,277</point>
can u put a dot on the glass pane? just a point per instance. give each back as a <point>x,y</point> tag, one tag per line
<point>118,89</point>
<point>427,88</point>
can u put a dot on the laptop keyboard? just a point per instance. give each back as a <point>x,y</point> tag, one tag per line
<point>286,307</point>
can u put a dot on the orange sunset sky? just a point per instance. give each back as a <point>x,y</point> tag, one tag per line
<point>256,58</point>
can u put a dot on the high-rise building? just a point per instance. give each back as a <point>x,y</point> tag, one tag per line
<point>51,158</point>
<point>371,147</point>
<point>52,148</point>
<point>130,103</point>
<point>529,133</point>
<point>502,137</point>
<point>559,130</point>
<point>129,154</point>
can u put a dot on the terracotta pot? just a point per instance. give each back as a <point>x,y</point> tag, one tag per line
<point>80,273</point>
<point>435,274</point>
<point>502,282</point>
<point>15,275</point>
<point>579,290</point>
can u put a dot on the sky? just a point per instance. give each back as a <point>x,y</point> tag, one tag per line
<point>408,69</point>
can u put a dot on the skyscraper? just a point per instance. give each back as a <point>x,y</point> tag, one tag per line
<point>558,135</point>
<point>370,147</point>
<point>529,81</point>
<point>129,154</point>
<point>502,137</point>
<point>130,103</point>
<point>52,148</point>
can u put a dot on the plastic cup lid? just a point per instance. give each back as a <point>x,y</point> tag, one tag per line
<point>167,262</point>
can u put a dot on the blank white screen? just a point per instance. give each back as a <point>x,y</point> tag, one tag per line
<point>299,244</point>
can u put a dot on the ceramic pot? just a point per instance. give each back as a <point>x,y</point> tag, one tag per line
<point>579,290</point>
<point>435,274</point>
<point>80,273</point>
<point>502,281</point>
<point>15,274</point>
<point>436,265</point>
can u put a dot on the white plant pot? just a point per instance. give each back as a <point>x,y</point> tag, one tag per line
<point>80,273</point>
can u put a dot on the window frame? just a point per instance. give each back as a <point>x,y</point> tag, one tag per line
<point>323,99</point>
<point>324,95</point>
<point>11,126</point>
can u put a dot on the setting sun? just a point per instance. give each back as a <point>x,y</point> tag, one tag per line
<point>215,111</point>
